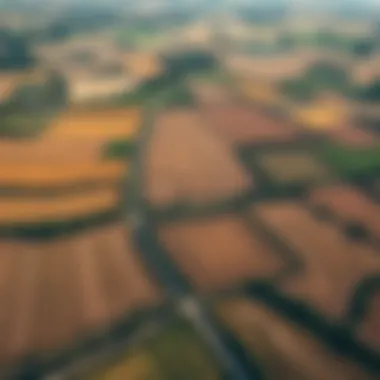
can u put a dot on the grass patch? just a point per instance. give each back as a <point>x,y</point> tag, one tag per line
<point>351,163</point>
<point>23,125</point>
<point>286,168</point>
<point>120,149</point>
<point>54,228</point>
<point>173,353</point>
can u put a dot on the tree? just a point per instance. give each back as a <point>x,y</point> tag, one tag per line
<point>370,93</point>
<point>328,75</point>
<point>298,89</point>
<point>56,93</point>
<point>363,48</point>
<point>15,52</point>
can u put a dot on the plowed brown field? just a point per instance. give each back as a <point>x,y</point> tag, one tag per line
<point>283,350</point>
<point>187,163</point>
<point>349,204</point>
<point>333,264</point>
<point>241,125</point>
<point>53,293</point>
<point>220,252</point>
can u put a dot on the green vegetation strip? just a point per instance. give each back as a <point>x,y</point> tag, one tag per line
<point>351,163</point>
<point>120,149</point>
<point>54,228</point>
<point>173,353</point>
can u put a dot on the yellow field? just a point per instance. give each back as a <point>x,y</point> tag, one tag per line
<point>107,124</point>
<point>320,115</point>
<point>69,154</point>
<point>137,366</point>
<point>175,353</point>
<point>143,65</point>
<point>60,174</point>
<point>260,92</point>
<point>27,210</point>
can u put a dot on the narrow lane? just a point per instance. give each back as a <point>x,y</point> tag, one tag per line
<point>165,271</point>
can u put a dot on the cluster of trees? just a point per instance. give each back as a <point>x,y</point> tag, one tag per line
<point>320,76</point>
<point>27,111</point>
<point>328,76</point>
<point>77,19</point>
<point>183,63</point>
<point>15,51</point>
<point>37,98</point>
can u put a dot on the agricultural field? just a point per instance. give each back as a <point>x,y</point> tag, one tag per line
<point>351,162</point>
<point>202,170</point>
<point>70,155</point>
<point>57,292</point>
<point>60,175</point>
<point>103,124</point>
<point>28,210</point>
<point>280,348</point>
<point>349,205</point>
<point>74,136</point>
<point>236,255</point>
<point>209,93</point>
<point>240,125</point>
<point>260,93</point>
<point>273,68</point>
<point>174,352</point>
<point>333,263</point>
<point>142,65</point>
<point>353,137</point>
<point>292,167</point>
<point>320,116</point>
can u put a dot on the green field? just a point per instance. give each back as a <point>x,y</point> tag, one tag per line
<point>174,353</point>
<point>351,162</point>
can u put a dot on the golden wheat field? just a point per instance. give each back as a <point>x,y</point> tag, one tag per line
<point>145,65</point>
<point>69,154</point>
<point>31,175</point>
<point>28,210</point>
<point>76,136</point>
<point>320,115</point>
<point>102,123</point>
<point>260,92</point>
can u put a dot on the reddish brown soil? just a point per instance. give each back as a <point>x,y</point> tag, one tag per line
<point>219,252</point>
<point>52,294</point>
<point>187,163</point>
<point>283,350</point>
<point>348,204</point>
<point>352,137</point>
<point>242,125</point>
<point>369,330</point>
<point>333,264</point>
